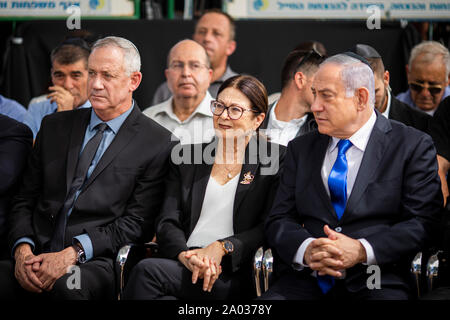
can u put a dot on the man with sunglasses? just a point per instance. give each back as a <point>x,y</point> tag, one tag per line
<point>291,116</point>
<point>69,77</point>
<point>387,104</point>
<point>187,113</point>
<point>428,77</point>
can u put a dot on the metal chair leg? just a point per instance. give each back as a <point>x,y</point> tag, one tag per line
<point>257,267</point>
<point>416,269</point>
<point>267,268</point>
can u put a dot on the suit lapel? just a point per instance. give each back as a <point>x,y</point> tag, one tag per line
<point>371,159</point>
<point>248,169</point>
<point>318,157</point>
<point>127,131</point>
<point>80,122</point>
<point>201,178</point>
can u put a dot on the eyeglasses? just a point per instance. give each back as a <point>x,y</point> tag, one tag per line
<point>310,56</point>
<point>192,65</point>
<point>434,89</point>
<point>234,112</point>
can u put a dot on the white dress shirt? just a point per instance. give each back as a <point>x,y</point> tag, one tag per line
<point>354,157</point>
<point>216,216</point>
<point>388,106</point>
<point>282,132</point>
<point>198,128</point>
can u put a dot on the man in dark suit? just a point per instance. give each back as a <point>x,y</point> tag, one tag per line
<point>387,104</point>
<point>290,116</point>
<point>16,140</point>
<point>360,191</point>
<point>93,183</point>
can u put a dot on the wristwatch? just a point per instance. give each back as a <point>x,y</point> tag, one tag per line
<point>81,256</point>
<point>227,246</point>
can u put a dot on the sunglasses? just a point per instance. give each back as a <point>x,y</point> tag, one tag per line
<point>418,87</point>
<point>234,112</point>
<point>310,56</point>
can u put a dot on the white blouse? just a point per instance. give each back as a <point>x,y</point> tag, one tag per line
<point>216,216</point>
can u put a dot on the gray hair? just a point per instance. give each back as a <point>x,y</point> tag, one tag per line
<point>131,56</point>
<point>354,74</point>
<point>430,51</point>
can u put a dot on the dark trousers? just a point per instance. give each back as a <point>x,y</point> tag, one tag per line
<point>96,281</point>
<point>164,279</point>
<point>302,286</point>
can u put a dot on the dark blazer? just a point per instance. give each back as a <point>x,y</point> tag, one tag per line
<point>309,125</point>
<point>120,199</point>
<point>185,191</point>
<point>16,140</point>
<point>394,204</point>
<point>411,117</point>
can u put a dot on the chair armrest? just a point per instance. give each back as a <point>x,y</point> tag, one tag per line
<point>127,257</point>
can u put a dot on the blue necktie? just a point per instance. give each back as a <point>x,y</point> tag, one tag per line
<point>337,183</point>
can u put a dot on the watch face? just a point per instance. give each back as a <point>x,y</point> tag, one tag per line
<point>228,246</point>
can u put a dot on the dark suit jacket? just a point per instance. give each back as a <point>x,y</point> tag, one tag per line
<point>411,117</point>
<point>186,186</point>
<point>119,201</point>
<point>394,204</point>
<point>16,140</point>
<point>309,125</point>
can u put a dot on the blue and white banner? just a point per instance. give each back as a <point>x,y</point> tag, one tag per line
<point>52,8</point>
<point>341,9</point>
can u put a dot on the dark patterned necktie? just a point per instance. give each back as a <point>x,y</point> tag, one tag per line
<point>85,160</point>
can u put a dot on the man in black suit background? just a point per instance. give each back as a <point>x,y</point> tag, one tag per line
<point>16,140</point>
<point>360,191</point>
<point>385,102</point>
<point>93,183</point>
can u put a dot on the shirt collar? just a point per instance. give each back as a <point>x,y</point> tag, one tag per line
<point>113,124</point>
<point>296,122</point>
<point>388,106</point>
<point>227,74</point>
<point>203,108</point>
<point>361,137</point>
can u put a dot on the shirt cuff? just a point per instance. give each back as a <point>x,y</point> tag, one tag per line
<point>22,240</point>
<point>298,264</point>
<point>369,252</point>
<point>86,243</point>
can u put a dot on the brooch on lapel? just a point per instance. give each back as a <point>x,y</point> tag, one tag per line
<point>248,178</point>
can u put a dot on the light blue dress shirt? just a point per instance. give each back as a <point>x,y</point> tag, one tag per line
<point>12,109</point>
<point>37,111</point>
<point>108,136</point>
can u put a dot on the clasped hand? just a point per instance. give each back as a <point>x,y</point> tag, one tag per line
<point>204,264</point>
<point>39,273</point>
<point>331,255</point>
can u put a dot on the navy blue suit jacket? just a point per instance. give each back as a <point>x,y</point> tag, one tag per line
<point>394,204</point>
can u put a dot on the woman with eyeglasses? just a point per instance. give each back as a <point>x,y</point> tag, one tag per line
<point>217,197</point>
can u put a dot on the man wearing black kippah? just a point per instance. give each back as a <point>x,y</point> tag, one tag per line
<point>387,104</point>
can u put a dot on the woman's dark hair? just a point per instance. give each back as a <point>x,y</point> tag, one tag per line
<point>252,88</point>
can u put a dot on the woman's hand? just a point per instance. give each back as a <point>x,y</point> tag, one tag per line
<point>204,263</point>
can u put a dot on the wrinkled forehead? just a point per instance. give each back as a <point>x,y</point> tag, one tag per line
<point>106,58</point>
<point>328,76</point>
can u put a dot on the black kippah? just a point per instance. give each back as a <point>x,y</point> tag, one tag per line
<point>357,56</point>
<point>365,51</point>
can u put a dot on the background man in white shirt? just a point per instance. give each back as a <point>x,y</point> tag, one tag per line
<point>362,190</point>
<point>215,31</point>
<point>291,115</point>
<point>187,113</point>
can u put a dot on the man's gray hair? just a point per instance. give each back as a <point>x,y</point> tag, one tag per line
<point>354,74</point>
<point>430,51</point>
<point>131,56</point>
